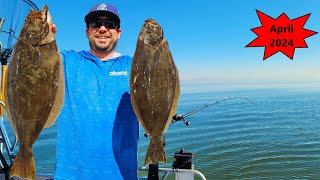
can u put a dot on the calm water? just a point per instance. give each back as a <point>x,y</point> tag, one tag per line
<point>277,137</point>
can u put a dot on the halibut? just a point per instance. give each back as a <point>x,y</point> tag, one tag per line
<point>154,87</point>
<point>34,90</point>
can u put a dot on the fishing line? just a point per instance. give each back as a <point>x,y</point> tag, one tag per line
<point>32,4</point>
<point>9,32</point>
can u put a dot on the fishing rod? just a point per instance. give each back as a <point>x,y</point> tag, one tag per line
<point>5,55</point>
<point>3,71</point>
<point>179,117</point>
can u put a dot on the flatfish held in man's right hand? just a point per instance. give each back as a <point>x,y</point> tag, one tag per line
<point>34,88</point>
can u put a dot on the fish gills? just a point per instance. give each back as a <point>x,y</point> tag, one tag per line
<point>34,90</point>
<point>154,87</point>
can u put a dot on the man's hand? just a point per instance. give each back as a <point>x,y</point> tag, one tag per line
<point>54,28</point>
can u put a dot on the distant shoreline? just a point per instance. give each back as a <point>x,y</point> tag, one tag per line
<point>187,87</point>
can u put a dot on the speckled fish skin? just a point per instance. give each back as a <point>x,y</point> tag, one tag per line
<point>154,86</point>
<point>34,87</point>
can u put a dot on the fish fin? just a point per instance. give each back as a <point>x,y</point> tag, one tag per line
<point>136,110</point>
<point>155,152</point>
<point>175,100</point>
<point>58,102</point>
<point>23,165</point>
<point>10,119</point>
<point>7,105</point>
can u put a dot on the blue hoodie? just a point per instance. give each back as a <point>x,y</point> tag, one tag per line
<point>98,131</point>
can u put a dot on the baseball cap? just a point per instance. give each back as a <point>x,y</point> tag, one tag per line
<point>103,9</point>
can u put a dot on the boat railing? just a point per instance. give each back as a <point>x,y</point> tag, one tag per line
<point>185,174</point>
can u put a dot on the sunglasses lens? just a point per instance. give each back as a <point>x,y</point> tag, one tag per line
<point>95,24</point>
<point>111,25</point>
<point>107,23</point>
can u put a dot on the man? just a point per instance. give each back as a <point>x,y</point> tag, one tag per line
<point>98,131</point>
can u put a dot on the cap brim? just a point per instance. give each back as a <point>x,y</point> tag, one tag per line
<point>95,14</point>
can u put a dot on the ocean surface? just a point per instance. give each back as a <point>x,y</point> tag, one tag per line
<point>275,135</point>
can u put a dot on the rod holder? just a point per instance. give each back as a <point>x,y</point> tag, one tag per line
<point>153,173</point>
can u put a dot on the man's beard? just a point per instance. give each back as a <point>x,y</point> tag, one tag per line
<point>101,48</point>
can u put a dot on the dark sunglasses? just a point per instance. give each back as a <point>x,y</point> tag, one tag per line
<point>105,22</point>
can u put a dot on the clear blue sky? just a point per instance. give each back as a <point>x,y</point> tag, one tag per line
<point>207,38</point>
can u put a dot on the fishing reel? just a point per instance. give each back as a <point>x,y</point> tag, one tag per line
<point>179,117</point>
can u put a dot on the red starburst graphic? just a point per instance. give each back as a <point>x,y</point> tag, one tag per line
<point>281,34</point>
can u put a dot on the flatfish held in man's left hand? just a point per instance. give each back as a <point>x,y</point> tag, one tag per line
<point>154,87</point>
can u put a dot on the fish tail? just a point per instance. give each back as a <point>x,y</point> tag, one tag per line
<point>23,165</point>
<point>155,152</point>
